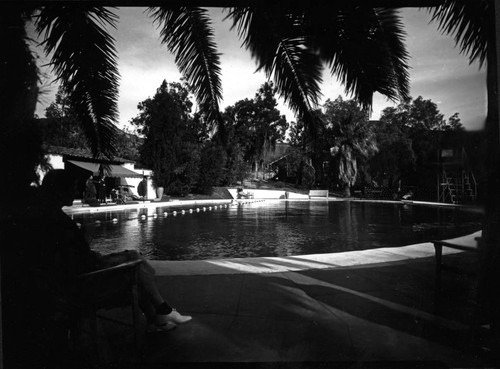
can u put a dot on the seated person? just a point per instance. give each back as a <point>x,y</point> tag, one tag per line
<point>114,194</point>
<point>408,195</point>
<point>122,196</point>
<point>130,195</point>
<point>243,195</point>
<point>125,195</point>
<point>66,238</point>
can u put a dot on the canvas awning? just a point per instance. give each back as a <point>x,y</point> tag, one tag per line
<point>115,170</point>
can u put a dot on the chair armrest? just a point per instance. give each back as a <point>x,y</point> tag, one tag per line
<point>107,287</point>
<point>129,265</point>
<point>455,246</point>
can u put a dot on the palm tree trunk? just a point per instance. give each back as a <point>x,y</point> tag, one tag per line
<point>346,192</point>
<point>20,142</point>
<point>489,247</point>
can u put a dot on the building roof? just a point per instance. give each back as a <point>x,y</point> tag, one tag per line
<point>82,153</point>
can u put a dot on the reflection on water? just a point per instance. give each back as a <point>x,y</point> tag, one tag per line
<point>273,229</point>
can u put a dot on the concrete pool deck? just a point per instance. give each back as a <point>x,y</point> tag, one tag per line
<point>371,308</point>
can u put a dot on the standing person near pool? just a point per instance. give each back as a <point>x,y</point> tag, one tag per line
<point>102,188</point>
<point>142,188</point>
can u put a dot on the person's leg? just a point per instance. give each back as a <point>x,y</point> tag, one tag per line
<point>147,279</point>
<point>165,314</point>
<point>152,302</point>
<point>146,273</point>
<point>151,315</point>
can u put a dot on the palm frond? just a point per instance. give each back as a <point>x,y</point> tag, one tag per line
<point>297,74</point>
<point>84,61</point>
<point>364,48</point>
<point>275,41</point>
<point>188,34</point>
<point>253,28</point>
<point>468,22</point>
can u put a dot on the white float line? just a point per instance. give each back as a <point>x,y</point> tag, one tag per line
<point>175,212</point>
<point>165,214</point>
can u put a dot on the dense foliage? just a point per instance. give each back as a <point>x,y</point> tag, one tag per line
<point>170,148</point>
<point>347,150</point>
<point>409,136</point>
<point>350,139</point>
<point>254,126</point>
<point>182,154</point>
<point>62,127</point>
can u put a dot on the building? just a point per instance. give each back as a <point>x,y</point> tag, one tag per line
<point>458,174</point>
<point>117,172</point>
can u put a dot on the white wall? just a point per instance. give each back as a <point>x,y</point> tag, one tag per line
<point>55,160</point>
<point>135,181</point>
<point>268,194</point>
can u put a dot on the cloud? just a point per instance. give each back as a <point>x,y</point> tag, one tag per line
<point>137,85</point>
<point>439,72</point>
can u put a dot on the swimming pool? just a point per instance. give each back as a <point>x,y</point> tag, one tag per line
<point>273,228</point>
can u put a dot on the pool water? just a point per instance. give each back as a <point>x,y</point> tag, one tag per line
<point>273,228</point>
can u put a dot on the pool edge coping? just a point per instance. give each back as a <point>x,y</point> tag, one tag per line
<point>264,265</point>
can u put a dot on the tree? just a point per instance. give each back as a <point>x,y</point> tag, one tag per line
<point>256,125</point>
<point>236,169</point>
<point>20,139</point>
<point>395,159</point>
<point>296,133</point>
<point>297,164</point>
<point>62,127</point>
<point>350,138</point>
<point>170,148</point>
<point>454,123</point>
<point>362,46</point>
<point>211,169</point>
<point>128,144</point>
<point>412,141</point>
<point>269,125</point>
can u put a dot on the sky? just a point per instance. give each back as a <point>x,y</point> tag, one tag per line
<point>437,70</point>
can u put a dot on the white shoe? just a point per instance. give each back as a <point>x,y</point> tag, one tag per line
<point>164,327</point>
<point>173,317</point>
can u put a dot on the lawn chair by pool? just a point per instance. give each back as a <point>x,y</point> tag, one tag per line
<point>318,193</point>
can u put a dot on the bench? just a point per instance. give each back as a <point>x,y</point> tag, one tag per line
<point>463,245</point>
<point>318,193</point>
